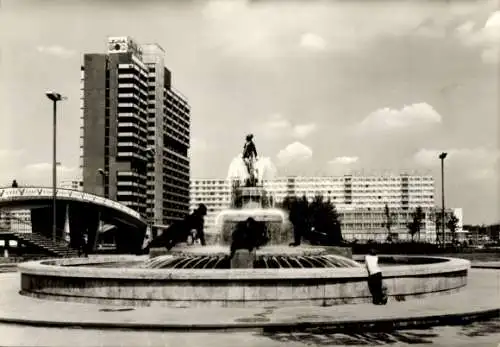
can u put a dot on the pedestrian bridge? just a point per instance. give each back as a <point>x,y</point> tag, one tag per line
<point>83,210</point>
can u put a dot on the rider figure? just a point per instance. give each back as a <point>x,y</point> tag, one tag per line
<point>249,153</point>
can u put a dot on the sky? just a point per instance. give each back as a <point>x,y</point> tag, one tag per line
<point>326,87</point>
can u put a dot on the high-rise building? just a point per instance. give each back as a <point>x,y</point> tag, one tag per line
<point>135,131</point>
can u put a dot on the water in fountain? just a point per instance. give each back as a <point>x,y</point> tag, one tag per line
<point>237,170</point>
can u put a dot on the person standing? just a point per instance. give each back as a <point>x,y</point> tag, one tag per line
<point>375,284</point>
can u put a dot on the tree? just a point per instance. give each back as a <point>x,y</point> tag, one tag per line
<point>286,203</point>
<point>336,229</point>
<point>298,213</point>
<point>319,215</point>
<point>388,221</point>
<point>315,213</point>
<point>325,221</point>
<point>415,225</point>
<point>452,224</point>
<point>438,222</point>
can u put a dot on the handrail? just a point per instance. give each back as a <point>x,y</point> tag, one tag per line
<point>59,241</point>
<point>68,193</point>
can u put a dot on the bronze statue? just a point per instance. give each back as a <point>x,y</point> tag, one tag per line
<point>180,231</point>
<point>249,158</point>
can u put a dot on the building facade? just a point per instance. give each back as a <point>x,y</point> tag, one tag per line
<point>18,221</point>
<point>135,131</point>
<point>75,184</point>
<point>360,200</point>
<point>215,194</point>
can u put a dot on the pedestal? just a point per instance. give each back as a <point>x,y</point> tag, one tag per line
<point>242,259</point>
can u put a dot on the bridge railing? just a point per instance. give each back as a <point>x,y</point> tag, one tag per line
<point>10,193</point>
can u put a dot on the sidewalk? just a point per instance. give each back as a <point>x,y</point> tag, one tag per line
<point>486,264</point>
<point>481,296</point>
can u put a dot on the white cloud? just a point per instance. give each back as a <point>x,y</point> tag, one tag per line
<point>473,163</point>
<point>6,154</point>
<point>303,130</point>
<point>343,160</point>
<point>491,29</point>
<point>252,30</point>
<point>220,9</point>
<point>491,55</point>
<point>409,116</point>
<point>197,145</point>
<point>465,28</point>
<point>278,122</point>
<point>239,29</point>
<point>294,152</point>
<point>486,38</point>
<point>313,42</point>
<point>483,174</point>
<point>9,163</point>
<point>430,156</point>
<point>41,174</point>
<point>57,51</point>
<point>279,126</point>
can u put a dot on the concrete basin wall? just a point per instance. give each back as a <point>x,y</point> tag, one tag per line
<point>54,279</point>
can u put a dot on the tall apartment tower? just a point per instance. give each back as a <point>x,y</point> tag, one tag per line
<point>135,131</point>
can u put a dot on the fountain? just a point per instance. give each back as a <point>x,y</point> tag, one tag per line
<point>193,276</point>
<point>249,199</point>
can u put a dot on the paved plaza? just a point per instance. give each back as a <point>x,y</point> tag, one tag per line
<point>481,294</point>
<point>480,334</point>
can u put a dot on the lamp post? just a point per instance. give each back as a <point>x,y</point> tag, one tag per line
<point>54,97</point>
<point>103,174</point>
<point>442,156</point>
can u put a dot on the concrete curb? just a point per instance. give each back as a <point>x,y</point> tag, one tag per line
<point>389,324</point>
<point>486,267</point>
<point>8,268</point>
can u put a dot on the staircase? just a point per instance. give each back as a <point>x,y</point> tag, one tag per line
<point>59,248</point>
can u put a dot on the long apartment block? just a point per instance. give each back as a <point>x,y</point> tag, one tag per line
<point>360,200</point>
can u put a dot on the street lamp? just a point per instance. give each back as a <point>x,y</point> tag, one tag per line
<point>54,97</point>
<point>442,156</point>
<point>103,174</point>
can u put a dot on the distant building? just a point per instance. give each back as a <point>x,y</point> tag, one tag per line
<point>135,131</point>
<point>360,201</point>
<point>483,233</point>
<point>74,184</point>
<point>18,221</point>
<point>214,193</point>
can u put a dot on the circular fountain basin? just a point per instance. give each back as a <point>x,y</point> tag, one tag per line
<point>125,282</point>
<point>263,251</point>
<point>272,256</point>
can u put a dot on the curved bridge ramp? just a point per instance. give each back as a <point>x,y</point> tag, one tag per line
<point>83,212</point>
